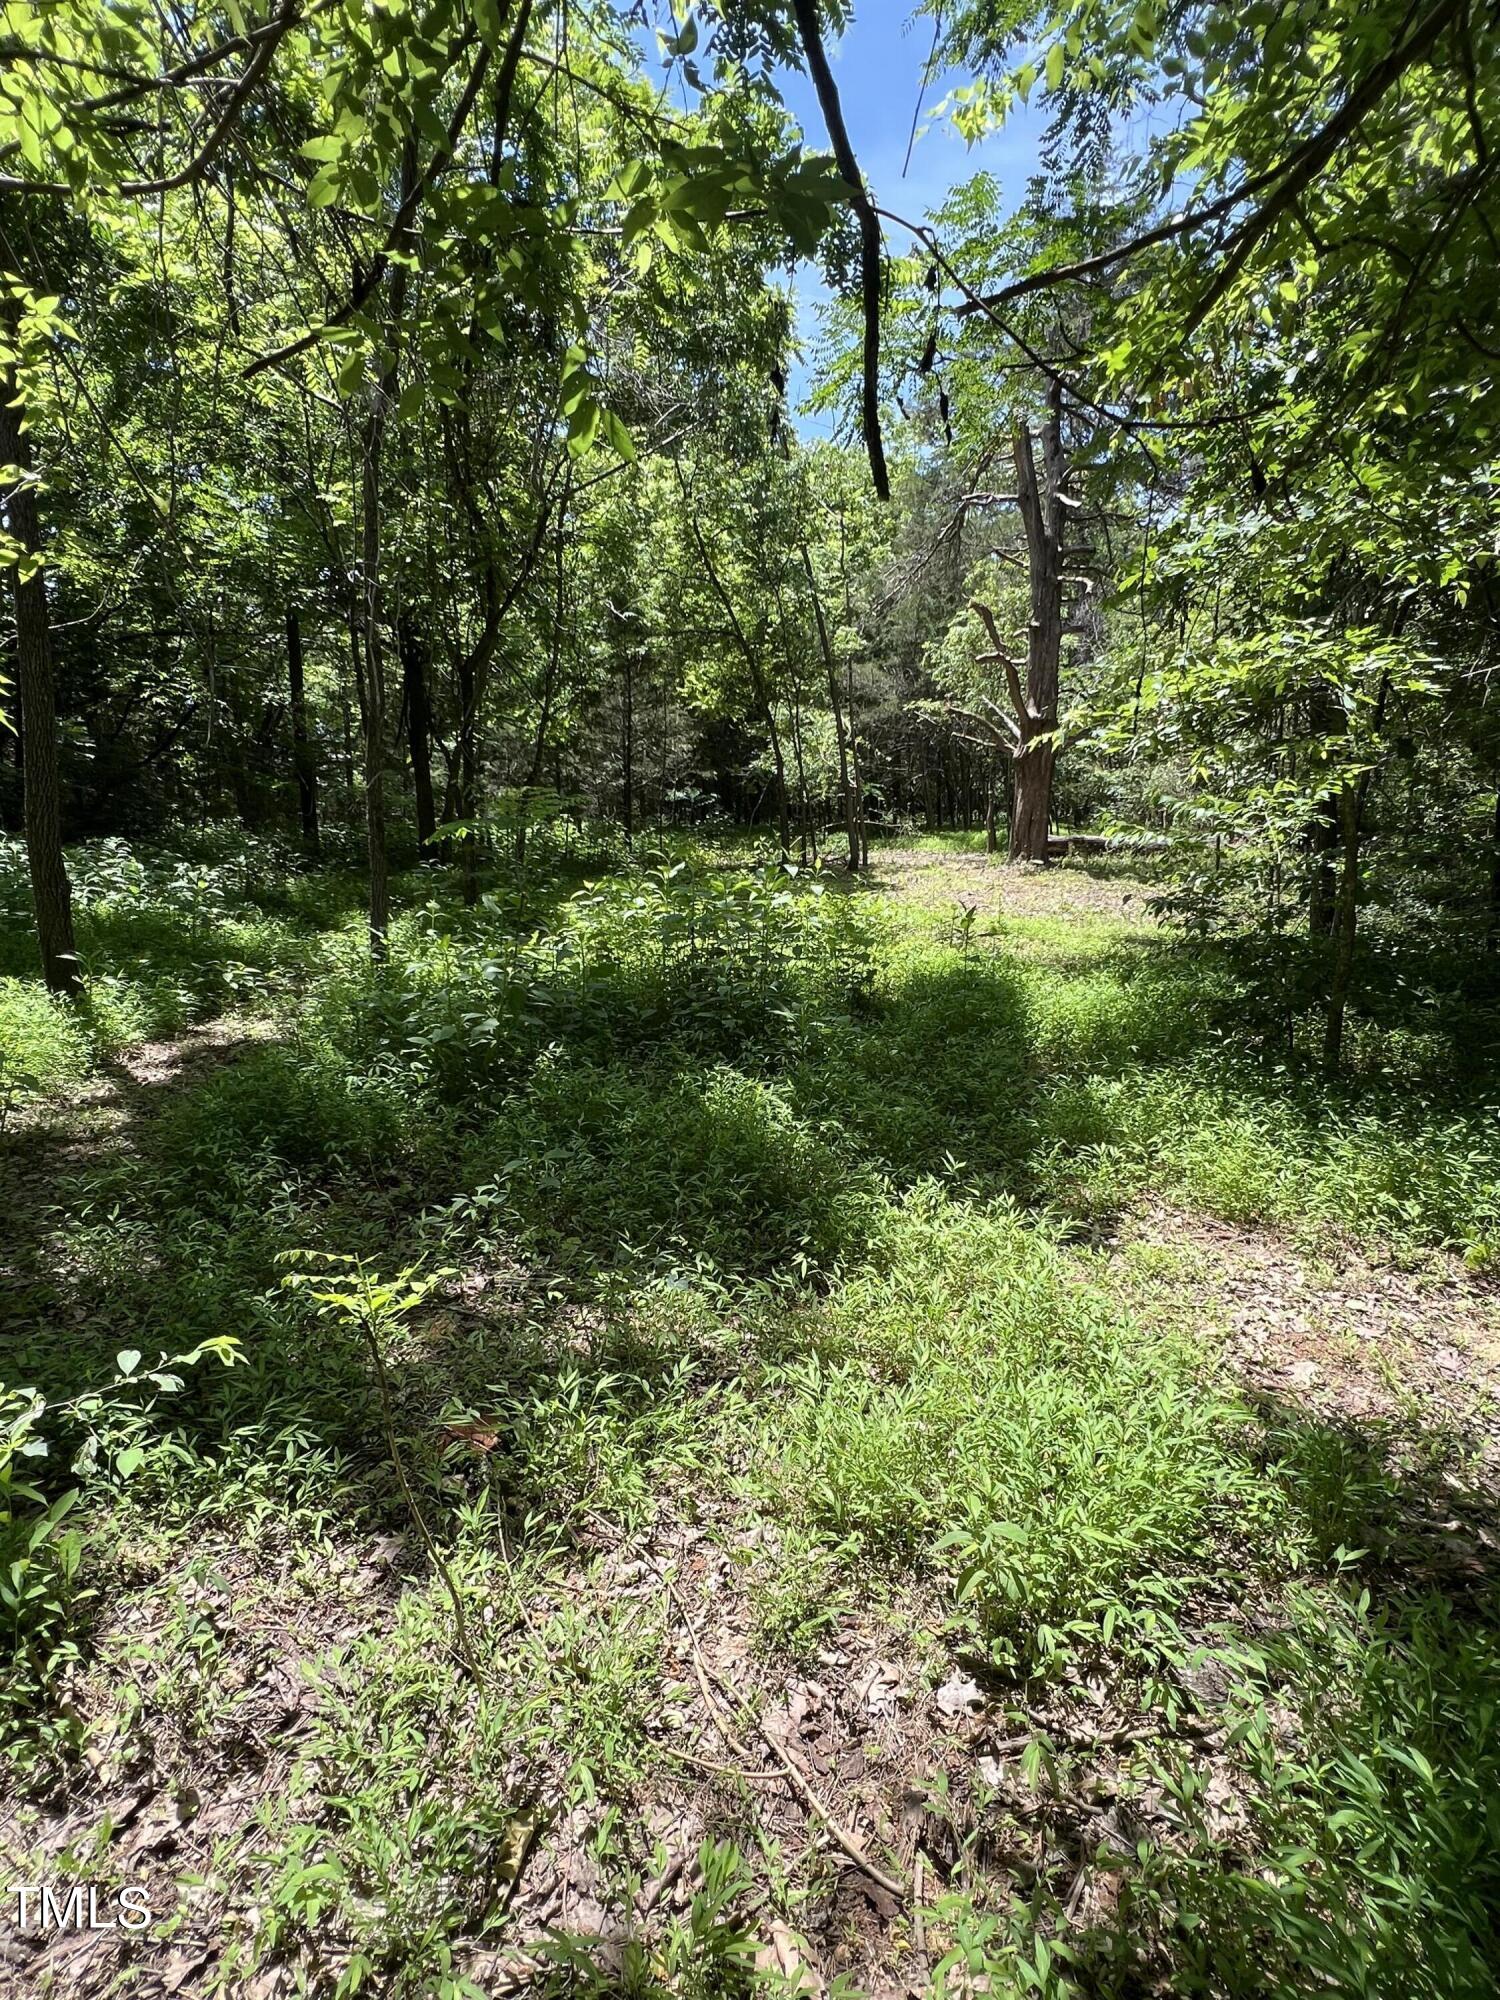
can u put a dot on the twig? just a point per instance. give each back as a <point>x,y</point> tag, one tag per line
<point>846,1840</point>
<point>653,1892</point>
<point>722,1770</point>
<point>1075,1894</point>
<point>892,1884</point>
<point>701,1671</point>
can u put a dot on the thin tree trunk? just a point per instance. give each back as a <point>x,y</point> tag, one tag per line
<point>382,392</point>
<point>783,813</point>
<point>1323,838</point>
<point>802,804</point>
<point>825,646</point>
<point>1346,919</point>
<point>627,747</point>
<point>1323,833</point>
<point>1351,810</point>
<point>374,682</point>
<point>752,664</point>
<point>303,757</point>
<point>856,775</point>
<point>1043,515</point>
<point>51,892</point>
<point>418,703</point>
<point>357,673</point>
<point>468,777</point>
<point>549,684</point>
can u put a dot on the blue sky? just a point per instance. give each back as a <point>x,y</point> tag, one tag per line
<point>878,66</point>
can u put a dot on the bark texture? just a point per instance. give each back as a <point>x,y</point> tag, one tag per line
<point>417,700</point>
<point>1044,503</point>
<point>303,759</point>
<point>51,892</point>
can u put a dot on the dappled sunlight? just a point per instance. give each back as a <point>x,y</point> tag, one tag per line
<point>752,1305</point>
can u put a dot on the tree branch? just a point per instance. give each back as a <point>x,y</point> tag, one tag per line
<point>1012,676</point>
<point>806,13</point>
<point>263,45</point>
<point>367,284</point>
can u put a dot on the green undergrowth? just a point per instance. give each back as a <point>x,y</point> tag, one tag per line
<point>164,939</point>
<point>743,1209</point>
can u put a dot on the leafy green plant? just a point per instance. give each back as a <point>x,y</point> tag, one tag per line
<point>44,1046</point>
<point>1373,1865</point>
<point>348,1291</point>
<point>40,1553</point>
<point>707,1954</point>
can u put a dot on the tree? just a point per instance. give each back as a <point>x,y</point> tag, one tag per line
<point>1044,502</point>
<point>304,757</point>
<point>386,196</point>
<point>21,316</point>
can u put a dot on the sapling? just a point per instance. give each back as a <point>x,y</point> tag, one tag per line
<point>348,1290</point>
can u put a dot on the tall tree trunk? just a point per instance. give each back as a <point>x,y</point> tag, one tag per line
<point>803,808</point>
<point>475,662</point>
<point>1043,502</point>
<point>856,774</point>
<point>357,674</point>
<point>468,777</point>
<point>373,678</point>
<point>1043,515</point>
<point>751,657</point>
<point>418,702</point>
<point>51,892</point>
<point>1323,840</point>
<point>627,745</point>
<point>1346,919</point>
<point>549,684</point>
<point>382,393</point>
<point>807,839</point>
<point>830,664</point>
<point>1031,804</point>
<point>1325,718</point>
<point>303,758</point>
<point>1351,819</point>
<point>783,811</point>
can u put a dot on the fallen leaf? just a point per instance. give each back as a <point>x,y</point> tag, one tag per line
<point>182,1966</point>
<point>879,1688</point>
<point>959,1695</point>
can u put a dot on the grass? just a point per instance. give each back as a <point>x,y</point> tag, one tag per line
<point>752,1206</point>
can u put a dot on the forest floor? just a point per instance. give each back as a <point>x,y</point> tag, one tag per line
<point>951,1530</point>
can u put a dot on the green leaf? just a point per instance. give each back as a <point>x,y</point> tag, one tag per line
<point>584,420</point>
<point>618,438</point>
